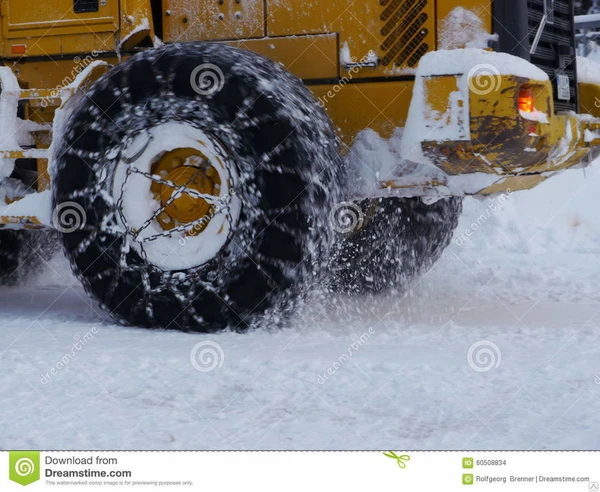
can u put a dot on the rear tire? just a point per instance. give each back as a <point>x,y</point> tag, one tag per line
<point>284,151</point>
<point>395,241</point>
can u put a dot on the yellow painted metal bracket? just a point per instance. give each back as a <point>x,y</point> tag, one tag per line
<point>136,23</point>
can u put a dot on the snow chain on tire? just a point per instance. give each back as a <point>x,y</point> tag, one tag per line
<point>285,153</point>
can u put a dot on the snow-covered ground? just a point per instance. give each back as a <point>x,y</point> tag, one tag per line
<point>498,347</point>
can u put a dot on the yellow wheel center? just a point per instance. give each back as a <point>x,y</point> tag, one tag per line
<point>186,207</point>
<point>185,170</point>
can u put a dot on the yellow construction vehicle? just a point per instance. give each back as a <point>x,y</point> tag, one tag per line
<point>205,159</point>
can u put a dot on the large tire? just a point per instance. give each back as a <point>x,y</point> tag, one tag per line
<point>284,149</point>
<point>394,241</point>
<point>11,248</point>
<point>24,253</point>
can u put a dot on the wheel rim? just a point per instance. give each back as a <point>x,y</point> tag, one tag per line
<point>190,168</point>
<point>175,192</point>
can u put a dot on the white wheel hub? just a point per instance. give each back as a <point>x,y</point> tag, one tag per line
<point>187,243</point>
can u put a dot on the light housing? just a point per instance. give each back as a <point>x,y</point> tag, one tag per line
<point>526,102</point>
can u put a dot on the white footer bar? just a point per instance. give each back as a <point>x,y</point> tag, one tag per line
<point>300,471</point>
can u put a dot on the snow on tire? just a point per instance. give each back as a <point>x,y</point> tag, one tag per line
<point>251,151</point>
<point>400,239</point>
<point>24,253</point>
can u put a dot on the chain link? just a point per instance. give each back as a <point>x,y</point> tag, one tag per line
<point>179,189</point>
<point>219,204</point>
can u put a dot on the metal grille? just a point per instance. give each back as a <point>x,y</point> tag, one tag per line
<point>555,53</point>
<point>404,31</point>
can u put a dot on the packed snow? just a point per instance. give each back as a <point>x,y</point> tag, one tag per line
<point>496,348</point>
<point>588,70</point>
<point>463,28</point>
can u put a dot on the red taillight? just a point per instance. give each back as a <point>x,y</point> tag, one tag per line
<point>526,100</point>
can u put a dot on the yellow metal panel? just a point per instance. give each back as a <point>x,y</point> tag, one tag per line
<point>63,45</point>
<point>382,107</point>
<point>88,43</point>
<point>307,57</point>
<point>53,28</point>
<point>36,17</point>
<point>34,47</point>
<point>439,91</point>
<point>192,20</point>
<point>399,32</point>
<point>54,74</point>
<point>589,99</point>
